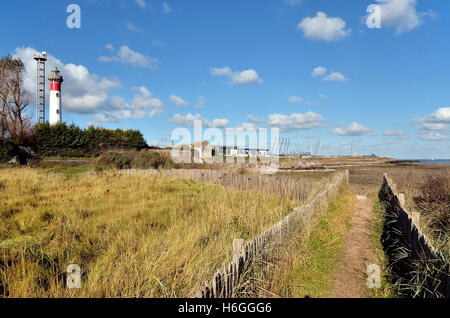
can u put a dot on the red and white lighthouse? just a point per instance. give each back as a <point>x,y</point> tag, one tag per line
<point>55,113</point>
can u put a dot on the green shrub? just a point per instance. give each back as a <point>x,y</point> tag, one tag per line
<point>71,141</point>
<point>6,150</point>
<point>115,160</point>
<point>148,159</point>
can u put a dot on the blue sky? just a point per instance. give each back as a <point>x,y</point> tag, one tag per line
<point>312,68</point>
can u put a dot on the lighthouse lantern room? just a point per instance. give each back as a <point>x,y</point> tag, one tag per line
<point>55,113</point>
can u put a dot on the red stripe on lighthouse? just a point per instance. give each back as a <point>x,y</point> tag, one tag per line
<point>55,86</point>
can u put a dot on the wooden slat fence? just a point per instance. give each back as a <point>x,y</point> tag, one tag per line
<point>290,187</point>
<point>413,260</point>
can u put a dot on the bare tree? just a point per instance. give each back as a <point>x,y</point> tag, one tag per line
<point>4,94</point>
<point>14,100</point>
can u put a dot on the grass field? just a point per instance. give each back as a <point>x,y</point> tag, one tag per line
<point>152,236</point>
<point>132,236</point>
<point>367,179</point>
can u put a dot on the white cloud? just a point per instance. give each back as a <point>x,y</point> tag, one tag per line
<point>188,120</point>
<point>293,3</point>
<point>180,102</point>
<point>323,28</point>
<point>402,14</point>
<point>237,77</point>
<point>254,119</point>
<point>429,126</point>
<point>335,77</point>
<point>395,133</point>
<point>295,100</point>
<point>144,100</point>
<point>246,127</point>
<point>183,103</point>
<point>125,55</point>
<point>353,129</point>
<point>109,47</point>
<point>219,123</point>
<point>133,27</point>
<point>432,136</point>
<point>322,96</point>
<point>436,121</point>
<point>290,122</point>
<point>103,118</point>
<point>201,102</point>
<point>246,77</point>
<point>319,71</point>
<point>82,91</point>
<point>295,121</point>
<point>332,77</point>
<point>442,115</point>
<point>221,71</point>
<point>143,105</point>
<point>141,3</point>
<point>166,8</point>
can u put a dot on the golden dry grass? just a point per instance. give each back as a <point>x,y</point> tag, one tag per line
<point>428,192</point>
<point>132,235</point>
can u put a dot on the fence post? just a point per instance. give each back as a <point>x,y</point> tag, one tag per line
<point>401,198</point>
<point>416,218</point>
<point>237,248</point>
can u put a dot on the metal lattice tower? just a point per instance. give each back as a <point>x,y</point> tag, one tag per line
<point>40,86</point>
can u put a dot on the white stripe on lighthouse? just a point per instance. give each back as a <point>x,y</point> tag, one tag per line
<point>55,116</point>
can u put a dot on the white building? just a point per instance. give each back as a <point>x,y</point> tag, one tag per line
<point>244,152</point>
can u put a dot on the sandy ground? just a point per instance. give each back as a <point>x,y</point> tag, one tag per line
<point>351,274</point>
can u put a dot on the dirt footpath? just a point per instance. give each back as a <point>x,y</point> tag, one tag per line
<point>351,276</point>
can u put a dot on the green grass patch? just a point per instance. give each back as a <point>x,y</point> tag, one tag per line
<point>309,265</point>
<point>376,230</point>
<point>70,170</point>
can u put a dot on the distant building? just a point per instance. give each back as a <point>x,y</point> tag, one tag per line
<point>244,151</point>
<point>228,151</point>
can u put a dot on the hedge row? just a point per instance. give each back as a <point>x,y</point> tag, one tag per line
<point>6,149</point>
<point>145,159</point>
<point>71,141</point>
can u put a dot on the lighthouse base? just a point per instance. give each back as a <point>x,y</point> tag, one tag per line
<point>55,116</point>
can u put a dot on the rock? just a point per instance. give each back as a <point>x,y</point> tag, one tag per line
<point>14,161</point>
<point>23,154</point>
